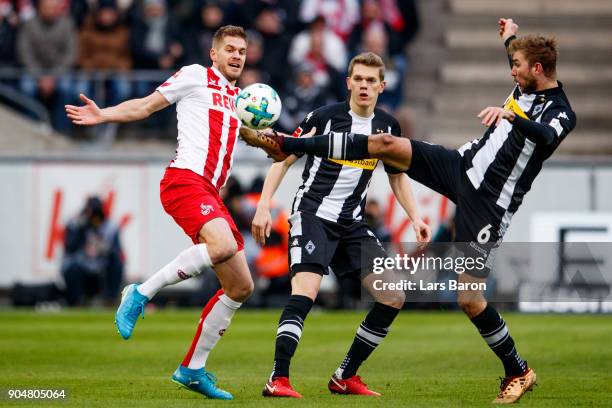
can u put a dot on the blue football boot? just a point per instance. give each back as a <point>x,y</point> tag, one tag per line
<point>132,306</point>
<point>200,381</point>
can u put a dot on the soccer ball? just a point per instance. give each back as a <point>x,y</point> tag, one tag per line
<point>258,106</point>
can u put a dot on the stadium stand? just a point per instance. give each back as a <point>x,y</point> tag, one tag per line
<point>462,66</point>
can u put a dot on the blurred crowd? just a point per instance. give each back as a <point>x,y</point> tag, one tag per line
<point>301,48</point>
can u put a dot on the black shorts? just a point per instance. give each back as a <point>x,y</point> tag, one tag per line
<point>317,245</point>
<point>479,222</point>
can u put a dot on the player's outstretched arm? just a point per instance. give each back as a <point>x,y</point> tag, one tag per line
<point>128,111</point>
<point>508,30</point>
<point>400,184</point>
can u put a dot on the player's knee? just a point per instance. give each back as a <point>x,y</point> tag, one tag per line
<point>394,299</point>
<point>240,291</point>
<point>305,290</point>
<point>471,304</point>
<point>222,249</point>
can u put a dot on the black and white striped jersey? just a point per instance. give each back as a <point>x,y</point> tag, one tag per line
<point>504,162</point>
<point>335,190</point>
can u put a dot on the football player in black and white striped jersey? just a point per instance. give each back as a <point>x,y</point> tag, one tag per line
<point>486,178</point>
<point>328,230</point>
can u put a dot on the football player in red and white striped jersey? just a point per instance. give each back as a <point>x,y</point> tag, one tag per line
<point>189,191</point>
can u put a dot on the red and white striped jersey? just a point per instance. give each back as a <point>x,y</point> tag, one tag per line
<point>207,121</point>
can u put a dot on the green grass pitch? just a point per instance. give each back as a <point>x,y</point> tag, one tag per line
<point>428,360</point>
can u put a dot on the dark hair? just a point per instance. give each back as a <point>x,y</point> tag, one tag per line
<point>538,49</point>
<point>369,59</point>
<point>228,31</point>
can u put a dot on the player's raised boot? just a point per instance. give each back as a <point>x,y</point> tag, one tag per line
<point>200,381</point>
<point>513,388</point>
<point>280,387</point>
<point>350,386</point>
<point>268,140</point>
<point>132,306</point>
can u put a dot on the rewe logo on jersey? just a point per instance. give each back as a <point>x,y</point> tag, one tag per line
<point>223,101</point>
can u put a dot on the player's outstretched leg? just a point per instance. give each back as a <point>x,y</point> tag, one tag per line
<point>394,151</point>
<point>519,378</point>
<point>290,326</point>
<point>188,263</point>
<point>370,334</point>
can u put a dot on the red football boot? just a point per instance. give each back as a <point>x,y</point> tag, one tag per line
<point>280,387</point>
<point>352,385</point>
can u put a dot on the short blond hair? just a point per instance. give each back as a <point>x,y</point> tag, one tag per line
<point>538,49</point>
<point>369,59</point>
<point>228,31</point>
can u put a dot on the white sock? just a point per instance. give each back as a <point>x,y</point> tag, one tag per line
<point>216,318</point>
<point>189,263</point>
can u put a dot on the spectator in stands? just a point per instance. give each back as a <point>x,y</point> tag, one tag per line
<point>322,48</point>
<point>93,261</point>
<point>275,41</point>
<point>375,39</point>
<point>104,45</point>
<point>207,19</point>
<point>340,16</point>
<point>9,20</point>
<point>155,38</point>
<point>47,48</point>
<point>255,57</point>
<point>23,9</point>
<point>155,42</point>
<point>301,96</point>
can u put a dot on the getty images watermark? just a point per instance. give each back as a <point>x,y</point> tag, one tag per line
<point>408,264</point>
<point>531,273</point>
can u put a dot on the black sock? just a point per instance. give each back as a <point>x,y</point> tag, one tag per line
<point>370,334</point>
<point>290,326</point>
<point>335,145</point>
<point>494,331</point>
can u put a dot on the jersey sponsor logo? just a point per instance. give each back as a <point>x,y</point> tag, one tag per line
<point>366,164</point>
<point>206,209</point>
<point>223,101</point>
<point>298,132</point>
<point>512,104</point>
